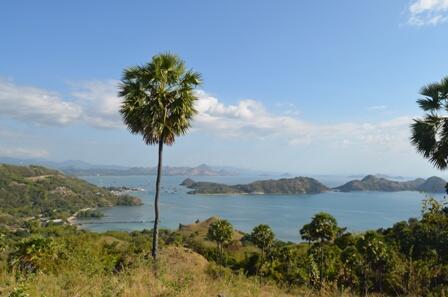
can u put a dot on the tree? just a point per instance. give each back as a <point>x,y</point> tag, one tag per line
<point>220,231</point>
<point>263,237</point>
<point>430,134</point>
<point>351,263</point>
<point>375,257</point>
<point>322,229</point>
<point>158,103</point>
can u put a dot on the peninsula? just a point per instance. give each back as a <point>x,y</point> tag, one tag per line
<point>28,192</point>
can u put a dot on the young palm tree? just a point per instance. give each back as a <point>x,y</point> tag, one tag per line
<point>158,103</point>
<point>220,231</point>
<point>430,134</point>
<point>263,237</point>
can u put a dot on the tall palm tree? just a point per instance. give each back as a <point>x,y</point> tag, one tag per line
<point>158,103</point>
<point>430,134</point>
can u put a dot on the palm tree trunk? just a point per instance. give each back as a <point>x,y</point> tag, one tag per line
<point>155,236</point>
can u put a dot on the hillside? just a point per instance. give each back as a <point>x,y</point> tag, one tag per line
<point>27,191</point>
<point>374,183</point>
<point>115,264</point>
<point>297,185</point>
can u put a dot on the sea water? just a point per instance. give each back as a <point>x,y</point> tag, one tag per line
<point>286,214</point>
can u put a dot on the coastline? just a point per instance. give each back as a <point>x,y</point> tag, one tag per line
<point>72,219</point>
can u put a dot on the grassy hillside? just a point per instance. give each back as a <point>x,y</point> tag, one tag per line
<point>63,261</point>
<point>30,191</point>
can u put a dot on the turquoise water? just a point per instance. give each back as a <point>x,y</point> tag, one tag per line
<point>286,214</point>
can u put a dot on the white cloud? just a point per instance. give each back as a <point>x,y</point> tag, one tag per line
<point>100,102</point>
<point>36,105</point>
<point>96,103</point>
<point>18,152</point>
<point>249,118</point>
<point>428,12</point>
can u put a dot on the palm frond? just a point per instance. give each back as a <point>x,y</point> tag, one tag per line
<point>158,98</point>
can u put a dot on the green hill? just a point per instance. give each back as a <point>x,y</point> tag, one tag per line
<point>27,191</point>
<point>373,183</point>
<point>297,185</point>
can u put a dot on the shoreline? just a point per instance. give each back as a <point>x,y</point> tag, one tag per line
<point>72,219</point>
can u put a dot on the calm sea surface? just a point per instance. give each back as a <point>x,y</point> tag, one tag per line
<point>286,214</point>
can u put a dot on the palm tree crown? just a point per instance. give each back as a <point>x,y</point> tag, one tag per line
<point>430,134</point>
<point>159,99</point>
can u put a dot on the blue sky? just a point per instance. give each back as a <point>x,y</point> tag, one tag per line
<point>309,87</point>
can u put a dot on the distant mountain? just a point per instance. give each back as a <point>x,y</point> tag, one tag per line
<point>76,164</point>
<point>433,184</point>
<point>297,185</point>
<point>201,170</point>
<point>373,183</point>
<point>379,175</point>
<point>81,168</point>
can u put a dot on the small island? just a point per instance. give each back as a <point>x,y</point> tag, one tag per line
<point>433,184</point>
<point>308,185</point>
<point>285,186</point>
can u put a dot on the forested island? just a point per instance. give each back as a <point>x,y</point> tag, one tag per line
<point>297,185</point>
<point>307,185</point>
<point>433,184</point>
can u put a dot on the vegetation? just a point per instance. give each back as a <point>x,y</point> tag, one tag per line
<point>297,185</point>
<point>128,200</point>
<point>408,259</point>
<point>28,192</point>
<point>433,184</point>
<point>89,213</point>
<point>430,134</point>
<point>306,185</point>
<point>158,103</point>
<point>220,231</point>
<point>322,230</point>
<point>263,237</point>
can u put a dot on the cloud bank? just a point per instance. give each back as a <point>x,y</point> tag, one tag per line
<point>38,105</point>
<point>96,104</point>
<point>249,118</point>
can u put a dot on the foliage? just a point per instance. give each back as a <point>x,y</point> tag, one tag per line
<point>89,213</point>
<point>323,227</point>
<point>221,232</point>
<point>430,134</point>
<point>296,185</point>
<point>158,98</point>
<point>262,236</point>
<point>32,191</point>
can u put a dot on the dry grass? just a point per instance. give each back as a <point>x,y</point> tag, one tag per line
<point>180,272</point>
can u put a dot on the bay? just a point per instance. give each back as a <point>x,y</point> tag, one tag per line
<point>286,214</point>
